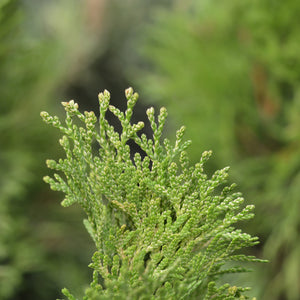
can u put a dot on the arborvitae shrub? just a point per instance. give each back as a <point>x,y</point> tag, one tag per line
<point>163,229</point>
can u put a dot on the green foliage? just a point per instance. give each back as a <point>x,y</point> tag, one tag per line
<point>14,164</point>
<point>235,64</point>
<point>162,228</point>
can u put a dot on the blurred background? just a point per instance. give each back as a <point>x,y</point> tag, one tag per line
<point>228,70</point>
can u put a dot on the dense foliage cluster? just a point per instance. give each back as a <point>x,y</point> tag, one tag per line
<point>162,228</point>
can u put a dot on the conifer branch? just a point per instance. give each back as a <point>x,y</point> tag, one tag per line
<point>161,227</point>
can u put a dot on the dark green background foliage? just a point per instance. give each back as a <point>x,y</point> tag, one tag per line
<point>228,70</point>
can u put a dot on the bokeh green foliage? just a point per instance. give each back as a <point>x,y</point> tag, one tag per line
<point>230,71</point>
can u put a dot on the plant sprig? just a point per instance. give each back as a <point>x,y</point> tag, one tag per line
<point>161,227</point>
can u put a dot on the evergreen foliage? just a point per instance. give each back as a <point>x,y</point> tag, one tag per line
<point>162,228</point>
